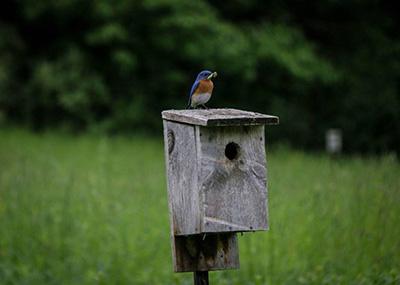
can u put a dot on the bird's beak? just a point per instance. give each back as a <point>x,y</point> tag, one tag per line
<point>212,75</point>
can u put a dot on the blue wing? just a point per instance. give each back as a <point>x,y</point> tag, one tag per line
<point>194,87</point>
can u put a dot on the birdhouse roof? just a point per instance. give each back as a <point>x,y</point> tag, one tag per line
<point>219,117</point>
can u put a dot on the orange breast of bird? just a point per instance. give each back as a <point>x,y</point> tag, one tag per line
<point>205,86</point>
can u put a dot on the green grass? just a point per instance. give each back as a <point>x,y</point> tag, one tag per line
<point>93,210</point>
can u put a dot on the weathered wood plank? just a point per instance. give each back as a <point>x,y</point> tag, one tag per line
<point>206,252</point>
<point>233,185</point>
<point>219,117</point>
<point>183,194</point>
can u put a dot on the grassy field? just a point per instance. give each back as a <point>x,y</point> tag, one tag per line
<point>93,210</point>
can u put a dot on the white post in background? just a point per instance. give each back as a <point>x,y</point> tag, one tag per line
<point>333,141</point>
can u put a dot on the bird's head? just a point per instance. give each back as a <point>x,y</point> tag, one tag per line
<point>206,74</point>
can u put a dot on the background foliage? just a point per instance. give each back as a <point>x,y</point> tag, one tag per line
<point>112,66</point>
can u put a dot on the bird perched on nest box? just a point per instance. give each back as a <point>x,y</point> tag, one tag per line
<point>201,89</point>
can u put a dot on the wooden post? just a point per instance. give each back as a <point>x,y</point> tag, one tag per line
<point>217,185</point>
<point>200,278</point>
<point>333,141</point>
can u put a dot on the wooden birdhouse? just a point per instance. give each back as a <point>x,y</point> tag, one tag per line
<point>217,183</point>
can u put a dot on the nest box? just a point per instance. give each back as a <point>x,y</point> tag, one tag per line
<point>216,171</point>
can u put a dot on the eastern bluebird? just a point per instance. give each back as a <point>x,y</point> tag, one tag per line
<point>201,89</point>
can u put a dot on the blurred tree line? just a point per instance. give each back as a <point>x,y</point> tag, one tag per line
<point>112,66</point>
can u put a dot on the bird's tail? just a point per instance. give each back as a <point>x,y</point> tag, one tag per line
<point>189,105</point>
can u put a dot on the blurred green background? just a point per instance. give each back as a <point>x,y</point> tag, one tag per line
<point>93,210</point>
<point>112,66</point>
<point>82,185</point>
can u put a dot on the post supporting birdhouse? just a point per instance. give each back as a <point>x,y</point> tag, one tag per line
<point>217,184</point>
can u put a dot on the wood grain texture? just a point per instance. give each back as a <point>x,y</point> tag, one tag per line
<point>183,194</point>
<point>206,253</point>
<point>233,192</point>
<point>219,117</point>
